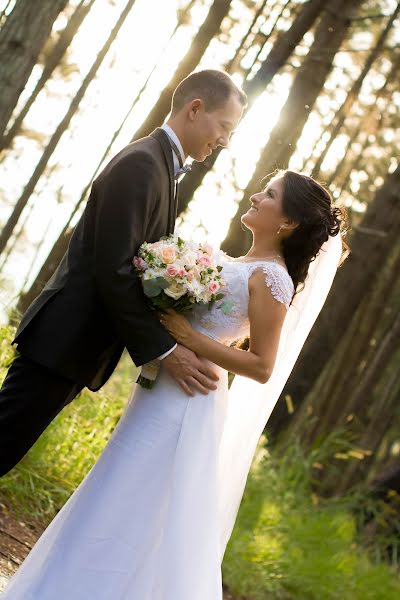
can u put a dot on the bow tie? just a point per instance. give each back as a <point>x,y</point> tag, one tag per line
<point>183,168</point>
<point>182,171</point>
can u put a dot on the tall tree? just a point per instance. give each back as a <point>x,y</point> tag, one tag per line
<point>284,47</point>
<point>41,166</point>
<point>248,37</point>
<point>62,242</point>
<point>306,87</point>
<point>345,109</point>
<point>52,61</point>
<point>362,127</point>
<point>359,386</point>
<point>22,37</point>
<point>370,244</point>
<point>49,266</point>
<point>343,391</point>
<point>276,59</point>
<point>211,26</point>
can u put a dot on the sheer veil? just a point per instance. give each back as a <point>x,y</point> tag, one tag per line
<point>250,404</point>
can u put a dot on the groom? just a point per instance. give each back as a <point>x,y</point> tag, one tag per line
<point>74,332</point>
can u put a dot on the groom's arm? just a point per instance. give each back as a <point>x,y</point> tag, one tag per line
<point>126,197</point>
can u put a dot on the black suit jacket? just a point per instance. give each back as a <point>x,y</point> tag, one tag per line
<point>93,306</point>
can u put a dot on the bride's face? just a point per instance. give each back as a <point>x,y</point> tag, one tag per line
<point>265,213</point>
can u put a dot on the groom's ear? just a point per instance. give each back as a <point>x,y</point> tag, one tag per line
<point>194,107</point>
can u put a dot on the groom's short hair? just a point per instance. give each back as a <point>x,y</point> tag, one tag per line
<point>214,87</point>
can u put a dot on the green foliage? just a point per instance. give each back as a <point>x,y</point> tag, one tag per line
<point>289,544</point>
<point>43,481</point>
<point>7,352</point>
<point>154,287</point>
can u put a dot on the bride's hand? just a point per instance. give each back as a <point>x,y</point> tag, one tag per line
<point>178,326</point>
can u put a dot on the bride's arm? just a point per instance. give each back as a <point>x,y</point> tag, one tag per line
<point>266,316</point>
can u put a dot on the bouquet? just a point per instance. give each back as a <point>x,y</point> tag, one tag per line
<point>176,274</point>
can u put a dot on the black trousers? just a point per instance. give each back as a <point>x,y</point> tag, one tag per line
<point>31,396</point>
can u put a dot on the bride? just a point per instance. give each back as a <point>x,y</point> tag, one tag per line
<point>152,518</point>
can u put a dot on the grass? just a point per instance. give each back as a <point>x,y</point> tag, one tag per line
<point>42,482</point>
<point>288,543</point>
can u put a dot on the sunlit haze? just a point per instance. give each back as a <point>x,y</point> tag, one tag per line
<point>143,46</point>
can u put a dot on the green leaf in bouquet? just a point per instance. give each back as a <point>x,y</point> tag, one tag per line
<point>154,287</point>
<point>219,296</point>
<point>211,303</point>
<point>219,268</point>
<point>145,383</point>
<point>162,301</point>
<point>150,257</point>
<point>182,304</point>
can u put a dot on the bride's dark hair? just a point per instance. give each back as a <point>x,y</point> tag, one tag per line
<point>309,204</point>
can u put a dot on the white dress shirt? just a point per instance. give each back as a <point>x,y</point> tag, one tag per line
<point>171,134</point>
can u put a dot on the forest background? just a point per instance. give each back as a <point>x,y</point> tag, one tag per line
<point>81,79</point>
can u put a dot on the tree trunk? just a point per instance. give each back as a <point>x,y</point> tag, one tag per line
<point>306,87</point>
<point>49,266</point>
<point>230,66</point>
<point>331,399</point>
<point>21,203</point>
<point>354,91</point>
<point>353,165</point>
<point>4,13</point>
<point>363,126</point>
<point>63,42</point>
<point>384,410</point>
<point>200,43</point>
<point>369,117</point>
<point>21,39</point>
<point>61,244</point>
<point>276,59</point>
<point>370,244</point>
<point>284,47</point>
<point>357,391</point>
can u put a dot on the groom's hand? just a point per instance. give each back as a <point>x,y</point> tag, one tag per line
<point>192,373</point>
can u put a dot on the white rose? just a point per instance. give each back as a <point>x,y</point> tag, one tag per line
<point>175,291</point>
<point>189,258</point>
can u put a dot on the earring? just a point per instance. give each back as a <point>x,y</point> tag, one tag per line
<point>279,230</point>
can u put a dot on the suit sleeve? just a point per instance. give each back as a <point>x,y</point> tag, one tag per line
<point>126,198</point>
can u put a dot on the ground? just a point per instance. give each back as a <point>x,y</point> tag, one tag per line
<point>17,537</point>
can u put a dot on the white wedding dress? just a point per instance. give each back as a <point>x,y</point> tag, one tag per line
<point>152,518</point>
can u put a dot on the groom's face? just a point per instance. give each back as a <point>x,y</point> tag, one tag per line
<point>208,130</point>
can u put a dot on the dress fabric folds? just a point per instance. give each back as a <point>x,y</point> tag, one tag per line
<point>148,522</point>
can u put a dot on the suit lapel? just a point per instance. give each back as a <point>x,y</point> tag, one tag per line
<point>160,135</point>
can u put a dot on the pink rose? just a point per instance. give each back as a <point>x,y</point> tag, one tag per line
<point>213,287</point>
<point>139,263</point>
<point>205,261</point>
<point>168,254</point>
<point>190,276</point>
<point>172,271</point>
<point>182,273</point>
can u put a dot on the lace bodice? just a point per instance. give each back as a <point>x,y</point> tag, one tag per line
<point>228,319</point>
